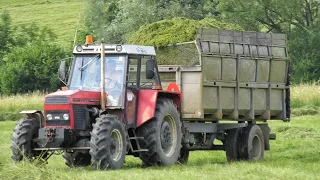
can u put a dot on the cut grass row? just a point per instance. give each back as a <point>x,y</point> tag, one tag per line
<point>305,100</point>
<point>294,155</point>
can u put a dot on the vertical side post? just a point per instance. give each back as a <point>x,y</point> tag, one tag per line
<point>103,97</point>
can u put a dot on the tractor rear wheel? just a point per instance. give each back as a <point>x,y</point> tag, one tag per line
<point>162,135</point>
<point>77,159</point>
<point>108,143</point>
<point>231,144</point>
<point>23,140</point>
<point>251,143</point>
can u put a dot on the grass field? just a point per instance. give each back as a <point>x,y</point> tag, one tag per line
<point>62,16</point>
<point>294,155</point>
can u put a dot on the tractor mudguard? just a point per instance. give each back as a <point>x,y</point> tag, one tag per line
<point>148,101</point>
<point>37,114</point>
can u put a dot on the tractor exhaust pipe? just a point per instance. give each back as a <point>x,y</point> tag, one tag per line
<point>103,95</point>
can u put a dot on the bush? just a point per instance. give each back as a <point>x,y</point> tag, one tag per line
<point>32,67</point>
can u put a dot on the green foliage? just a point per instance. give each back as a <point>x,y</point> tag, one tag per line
<point>32,67</point>
<point>175,30</point>
<point>6,31</point>
<point>305,55</point>
<point>30,61</point>
<point>274,15</point>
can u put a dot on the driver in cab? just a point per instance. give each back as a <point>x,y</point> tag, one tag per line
<point>113,82</point>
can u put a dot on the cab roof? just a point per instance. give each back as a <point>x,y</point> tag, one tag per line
<point>115,49</point>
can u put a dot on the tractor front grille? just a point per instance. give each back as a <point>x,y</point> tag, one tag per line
<point>56,100</point>
<point>81,116</point>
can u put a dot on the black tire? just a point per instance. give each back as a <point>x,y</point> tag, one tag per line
<point>108,143</point>
<point>251,147</point>
<point>162,135</point>
<point>184,155</point>
<point>23,140</point>
<point>231,144</point>
<point>77,159</point>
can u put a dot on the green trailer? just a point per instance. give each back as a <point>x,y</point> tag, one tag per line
<point>227,76</point>
<point>240,76</point>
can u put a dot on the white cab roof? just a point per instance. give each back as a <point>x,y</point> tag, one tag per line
<point>111,49</point>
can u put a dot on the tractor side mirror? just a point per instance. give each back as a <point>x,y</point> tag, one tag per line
<point>62,71</point>
<point>150,65</point>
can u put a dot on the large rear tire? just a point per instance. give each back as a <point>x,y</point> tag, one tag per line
<point>162,135</point>
<point>23,140</point>
<point>108,143</point>
<point>77,159</point>
<point>251,144</point>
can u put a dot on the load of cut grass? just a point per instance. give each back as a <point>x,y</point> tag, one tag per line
<point>171,31</point>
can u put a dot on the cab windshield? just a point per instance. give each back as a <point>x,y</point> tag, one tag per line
<point>86,75</point>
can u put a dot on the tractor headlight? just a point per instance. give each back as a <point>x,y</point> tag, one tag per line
<point>65,117</point>
<point>49,117</point>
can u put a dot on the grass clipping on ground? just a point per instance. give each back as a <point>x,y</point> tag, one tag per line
<point>177,30</point>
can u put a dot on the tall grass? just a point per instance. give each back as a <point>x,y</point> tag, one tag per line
<point>10,106</point>
<point>305,99</point>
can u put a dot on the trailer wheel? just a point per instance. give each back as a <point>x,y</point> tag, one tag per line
<point>251,144</point>
<point>77,159</point>
<point>162,135</point>
<point>231,144</point>
<point>108,143</point>
<point>23,140</point>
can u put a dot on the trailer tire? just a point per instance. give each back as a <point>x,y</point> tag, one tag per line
<point>251,147</point>
<point>23,140</point>
<point>108,143</point>
<point>161,135</point>
<point>77,159</point>
<point>231,144</point>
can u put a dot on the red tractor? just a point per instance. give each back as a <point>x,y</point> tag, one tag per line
<point>114,105</point>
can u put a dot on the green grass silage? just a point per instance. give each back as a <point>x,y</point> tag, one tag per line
<point>294,155</point>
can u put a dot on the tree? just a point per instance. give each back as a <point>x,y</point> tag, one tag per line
<point>273,15</point>
<point>6,34</point>
<point>31,67</point>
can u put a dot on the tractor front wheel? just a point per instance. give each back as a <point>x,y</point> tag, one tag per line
<point>77,159</point>
<point>23,140</point>
<point>108,143</point>
<point>161,135</point>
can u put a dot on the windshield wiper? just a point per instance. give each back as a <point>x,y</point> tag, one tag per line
<point>91,60</point>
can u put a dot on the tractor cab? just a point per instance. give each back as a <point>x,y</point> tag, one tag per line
<point>112,93</point>
<point>128,68</point>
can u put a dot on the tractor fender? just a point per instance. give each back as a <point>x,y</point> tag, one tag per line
<point>37,114</point>
<point>148,101</point>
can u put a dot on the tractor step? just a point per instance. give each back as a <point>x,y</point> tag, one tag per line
<point>133,138</point>
<point>140,150</point>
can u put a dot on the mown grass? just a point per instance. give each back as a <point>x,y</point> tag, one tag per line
<point>62,16</point>
<point>294,155</point>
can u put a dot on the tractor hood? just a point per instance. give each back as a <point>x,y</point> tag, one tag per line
<point>73,97</point>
